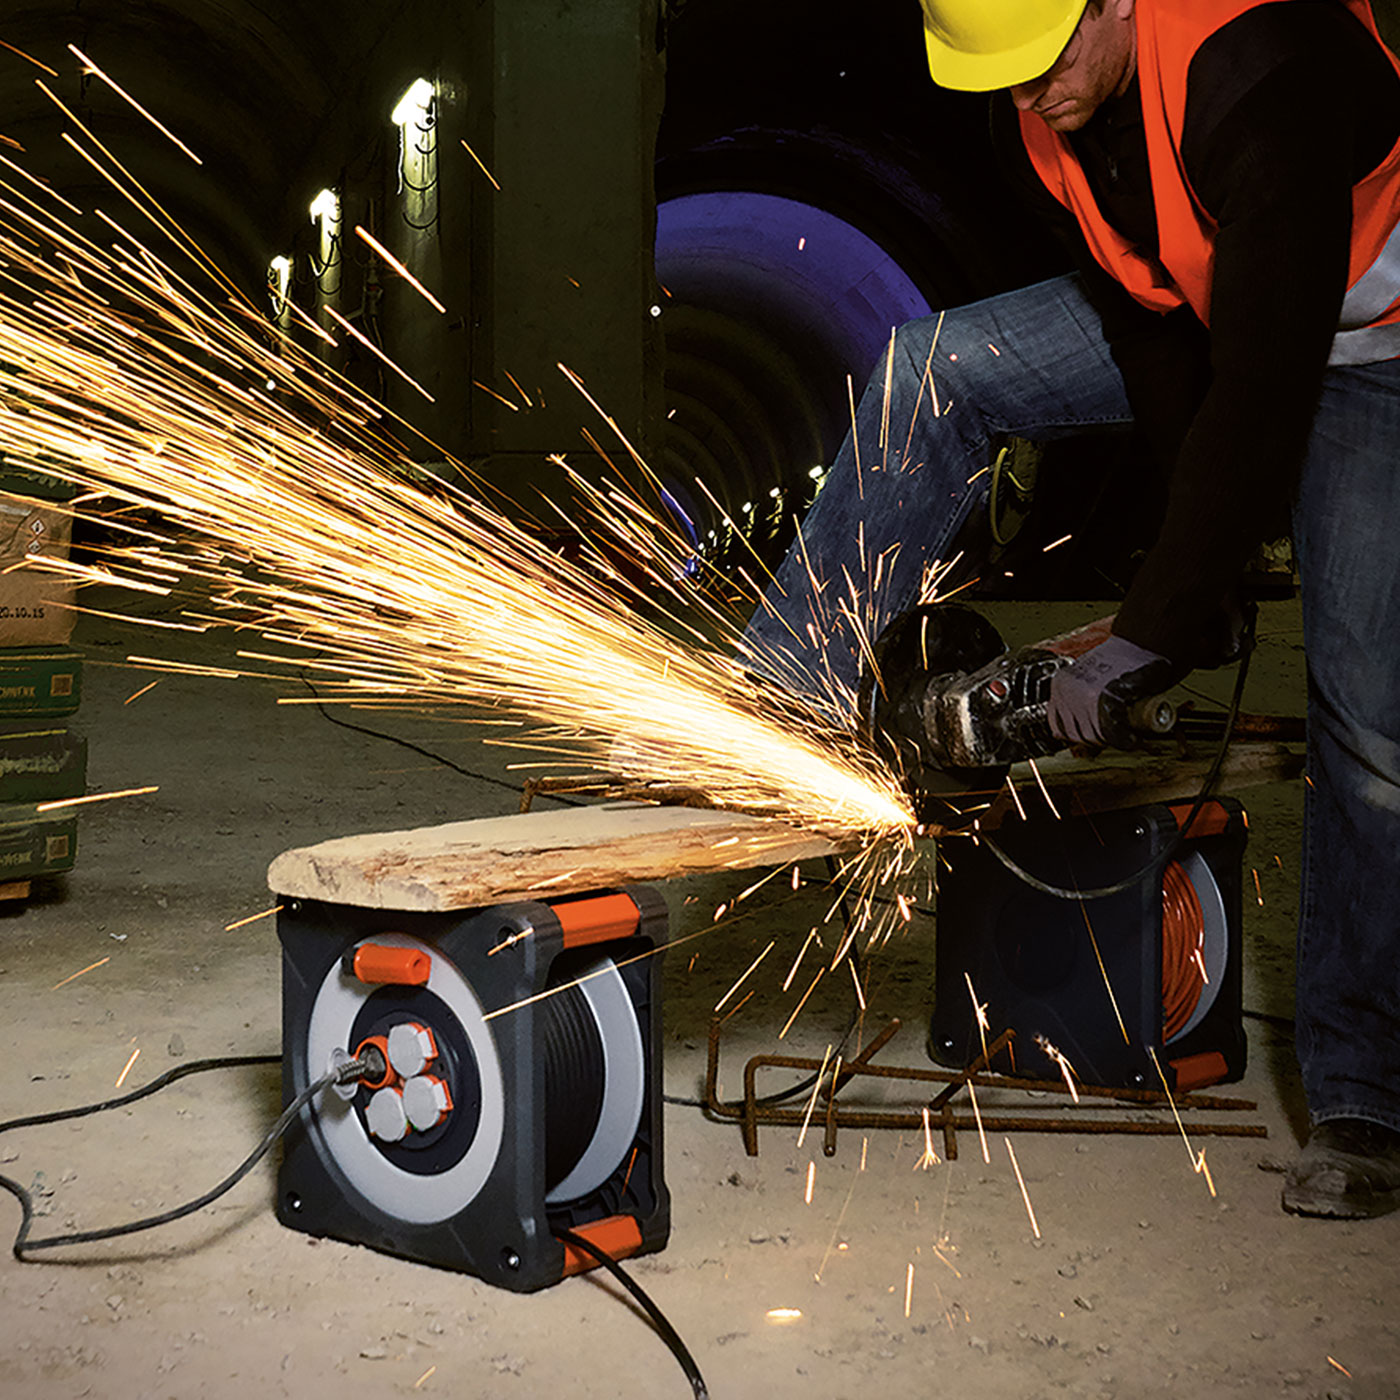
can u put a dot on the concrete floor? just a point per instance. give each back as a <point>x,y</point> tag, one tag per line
<point>1142,1284</point>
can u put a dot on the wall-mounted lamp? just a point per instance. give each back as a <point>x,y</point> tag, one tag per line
<point>416,118</point>
<point>325,210</point>
<point>279,283</point>
<point>416,105</point>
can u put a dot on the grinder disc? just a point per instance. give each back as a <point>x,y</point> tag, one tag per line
<point>923,645</point>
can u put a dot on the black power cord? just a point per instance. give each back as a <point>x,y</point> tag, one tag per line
<point>369,1066</point>
<point>428,753</point>
<point>342,1074</point>
<point>659,1320</point>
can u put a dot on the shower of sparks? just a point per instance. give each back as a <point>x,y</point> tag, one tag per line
<point>136,695</point>
<point>980,1010</point>
<point>365,235</point>
<point>1061,1063</point>
<point>1258,893</point>
<point>783,1314</point>
<point>1332,1361</point>
<point>1021,1182</point>
<point>821,972</point>
<point>1015,796</point>
<point>1198,1159</point>
<point>253,918</point>
<point>1103,972</point>
<point>977,1116</point>
<point>126,97</point>
<point>52,194</point>
<point>89,968</point>
<point>377,352</point>
<point>929,1157</point>
<point>1203,1170</point>
<point>314,538</point>
<point>121,1078</point>
<point>59,802</point>
<point>29,58</point>
<point>1055,544</point>
<point>816,1090</point>
<point>719,1005</point>
<point>860,993</point>
<point>811,1182</point>
<point>517,938</point>
<point>485,171</point>
<point>418,1384</point>
<point>500,398</point>
<point>908,1289</point>
<point>1044,791</point>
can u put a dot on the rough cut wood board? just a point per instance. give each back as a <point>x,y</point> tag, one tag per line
<point>467,864</point>
<point>464,865</point>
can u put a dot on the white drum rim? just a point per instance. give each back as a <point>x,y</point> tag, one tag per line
<point>1215,937</point>
<point>407,1196</point>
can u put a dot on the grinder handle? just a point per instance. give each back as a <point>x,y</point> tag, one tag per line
<point>1153,714</point>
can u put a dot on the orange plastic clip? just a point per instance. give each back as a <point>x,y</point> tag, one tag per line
<point>404,967</point>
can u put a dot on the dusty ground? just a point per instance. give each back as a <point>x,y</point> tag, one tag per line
<point>1141,1286</point>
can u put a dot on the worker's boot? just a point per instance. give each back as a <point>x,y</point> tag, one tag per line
<point>1349,1170</point>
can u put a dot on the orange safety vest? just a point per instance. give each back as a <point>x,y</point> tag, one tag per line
<point>1168,36</point>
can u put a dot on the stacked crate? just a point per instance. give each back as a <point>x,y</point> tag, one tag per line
<point>42,760</point>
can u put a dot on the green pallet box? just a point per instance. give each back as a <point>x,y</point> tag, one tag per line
<point>40,761</point>
<point>34,842</point>
<point>40,681</point>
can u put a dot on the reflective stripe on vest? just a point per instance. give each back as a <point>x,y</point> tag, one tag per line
<point>1169,36</point>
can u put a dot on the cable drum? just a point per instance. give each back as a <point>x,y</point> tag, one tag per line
<point>1194,944</point>
<point>574,1079</point>
<point>595,1077</point>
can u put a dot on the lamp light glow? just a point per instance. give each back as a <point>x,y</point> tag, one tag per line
<point>326,207</point>
<point>415,105</point>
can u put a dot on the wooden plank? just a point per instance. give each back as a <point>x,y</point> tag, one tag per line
<point>464,865</point>
<point>1079,787</point>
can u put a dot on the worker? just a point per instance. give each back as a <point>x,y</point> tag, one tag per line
<point>1227,175</point>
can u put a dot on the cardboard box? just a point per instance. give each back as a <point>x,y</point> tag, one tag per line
<point>35,604</point>
<point>35,843</point>
<point>41,762</point>
<point>45,681</point>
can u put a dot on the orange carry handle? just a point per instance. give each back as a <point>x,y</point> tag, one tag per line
<point>1211,820</point>
<point>404,967</point>
<point>617,1237</point>
<point>600,919</point>
<point>1196,1071</point>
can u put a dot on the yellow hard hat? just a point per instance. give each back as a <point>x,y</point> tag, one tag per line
<point>980,45</point>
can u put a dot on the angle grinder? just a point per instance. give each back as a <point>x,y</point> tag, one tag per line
<point>953,708</point>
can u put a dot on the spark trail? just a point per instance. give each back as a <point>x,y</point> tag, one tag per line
<point>123,376</point>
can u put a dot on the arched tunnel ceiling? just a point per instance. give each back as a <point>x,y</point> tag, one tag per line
<point>248,87</point>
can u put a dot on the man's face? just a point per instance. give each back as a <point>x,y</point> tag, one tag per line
<point>1096,64</point>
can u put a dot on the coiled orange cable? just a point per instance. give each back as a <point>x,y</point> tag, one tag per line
<point>1183,950</point>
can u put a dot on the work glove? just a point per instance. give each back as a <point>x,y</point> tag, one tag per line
<point>1091,697</point>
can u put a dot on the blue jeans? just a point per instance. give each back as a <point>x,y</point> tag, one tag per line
<point>908,490</point>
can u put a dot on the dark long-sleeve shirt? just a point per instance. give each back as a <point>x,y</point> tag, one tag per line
<point>1287,107</point>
